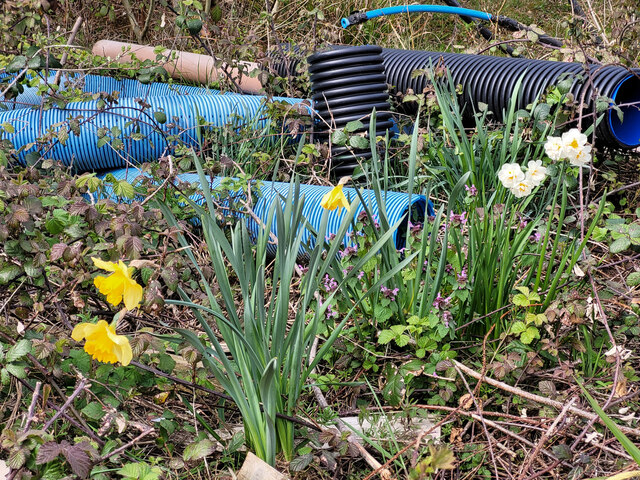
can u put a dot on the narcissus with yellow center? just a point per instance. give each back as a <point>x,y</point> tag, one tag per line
<point>119,285</point>
<point>102,343</point>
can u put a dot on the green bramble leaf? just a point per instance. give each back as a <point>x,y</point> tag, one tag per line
<point>18,351</point>
<point>529,335</point>
<point>386,336</point>
<point>518,328</point>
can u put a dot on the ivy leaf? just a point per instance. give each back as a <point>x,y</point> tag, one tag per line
<point>199,450</point>
<point>301,462</point>
<point>19,350</point>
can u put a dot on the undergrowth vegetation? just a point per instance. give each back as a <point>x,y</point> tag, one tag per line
<point>454,343</point>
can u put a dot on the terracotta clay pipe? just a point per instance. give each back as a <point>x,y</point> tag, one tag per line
<point>182,65</point>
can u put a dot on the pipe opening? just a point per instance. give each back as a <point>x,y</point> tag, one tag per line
<point>627,93</point>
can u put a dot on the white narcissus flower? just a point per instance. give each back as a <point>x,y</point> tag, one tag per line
<point>554,148</point>
<point>581,157</point>
<point>510,175</point>
<point>522,188</point>
<point>574,140</point>
<point>536,172</point>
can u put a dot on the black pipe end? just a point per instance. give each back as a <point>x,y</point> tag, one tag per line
<point>354,19</point>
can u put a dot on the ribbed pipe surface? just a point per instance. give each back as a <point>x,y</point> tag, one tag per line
<point>347,84</point>
<point>100,84</point>
<point>397,205</point>
<point>142,138</point>
<point>492,81</point>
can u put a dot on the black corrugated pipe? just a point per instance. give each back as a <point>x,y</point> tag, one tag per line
<point>492,80</point>
<point>347,84</point>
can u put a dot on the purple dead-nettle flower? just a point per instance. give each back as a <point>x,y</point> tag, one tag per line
<point>330,237</point>
<point>458,219</point>
<point>363,217</point>
<point>376,225</point>
<point>349,251</point>
<point>302,269</point>
<point>330,313</point>
<point>446,318</point>
<point>402,250</point>
<point>347,270</point>
<point>361,274</point>
<point>462,276</point>
<point>330,283</point>
<point>536,237</point>
<point>448,268</point>
<point>390,294</point>
<point>471,190</point>
<point>441,301</point>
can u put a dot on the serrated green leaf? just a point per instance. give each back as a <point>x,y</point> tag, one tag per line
<point>620,245</point>
<point>529,335</point>
<point>518,328</point>
<point>18,371</point>
<point>19,350</point>
<point>301,462</point>
<point>521,300</point>
<point>359,142</point>
<point>633,279</point>
<point>339,138</point>
<point>94,411</point>
<point>402,340</point>
<point>199,450</point>
<point>8,273</point>
<point>353,126</point>
<point>386,336</point>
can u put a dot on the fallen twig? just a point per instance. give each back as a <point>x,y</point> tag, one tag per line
<point>540,399</point>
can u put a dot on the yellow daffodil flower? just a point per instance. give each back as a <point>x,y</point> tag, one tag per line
<point>102,343</point>
<point>336,197</point>
<point>119,285</point>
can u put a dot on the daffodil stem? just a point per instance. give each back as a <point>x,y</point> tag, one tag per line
<point>79,388</point>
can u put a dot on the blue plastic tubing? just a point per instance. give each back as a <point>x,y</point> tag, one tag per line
<point>381,12</point>
<point>181,104</point>
<point>95,84</point>
<point>397,205</point>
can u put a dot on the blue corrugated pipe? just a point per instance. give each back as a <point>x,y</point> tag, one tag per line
<point>360,17</point>
<point>97,84</point>
<point>397,205</point>
<point>142,138</point>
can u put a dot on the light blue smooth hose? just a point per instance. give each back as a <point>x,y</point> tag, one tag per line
<point>380,12</point>
<point>397,205</point>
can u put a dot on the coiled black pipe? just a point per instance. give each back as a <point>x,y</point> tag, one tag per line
<point>347,84</point>
<point>492,80</point>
